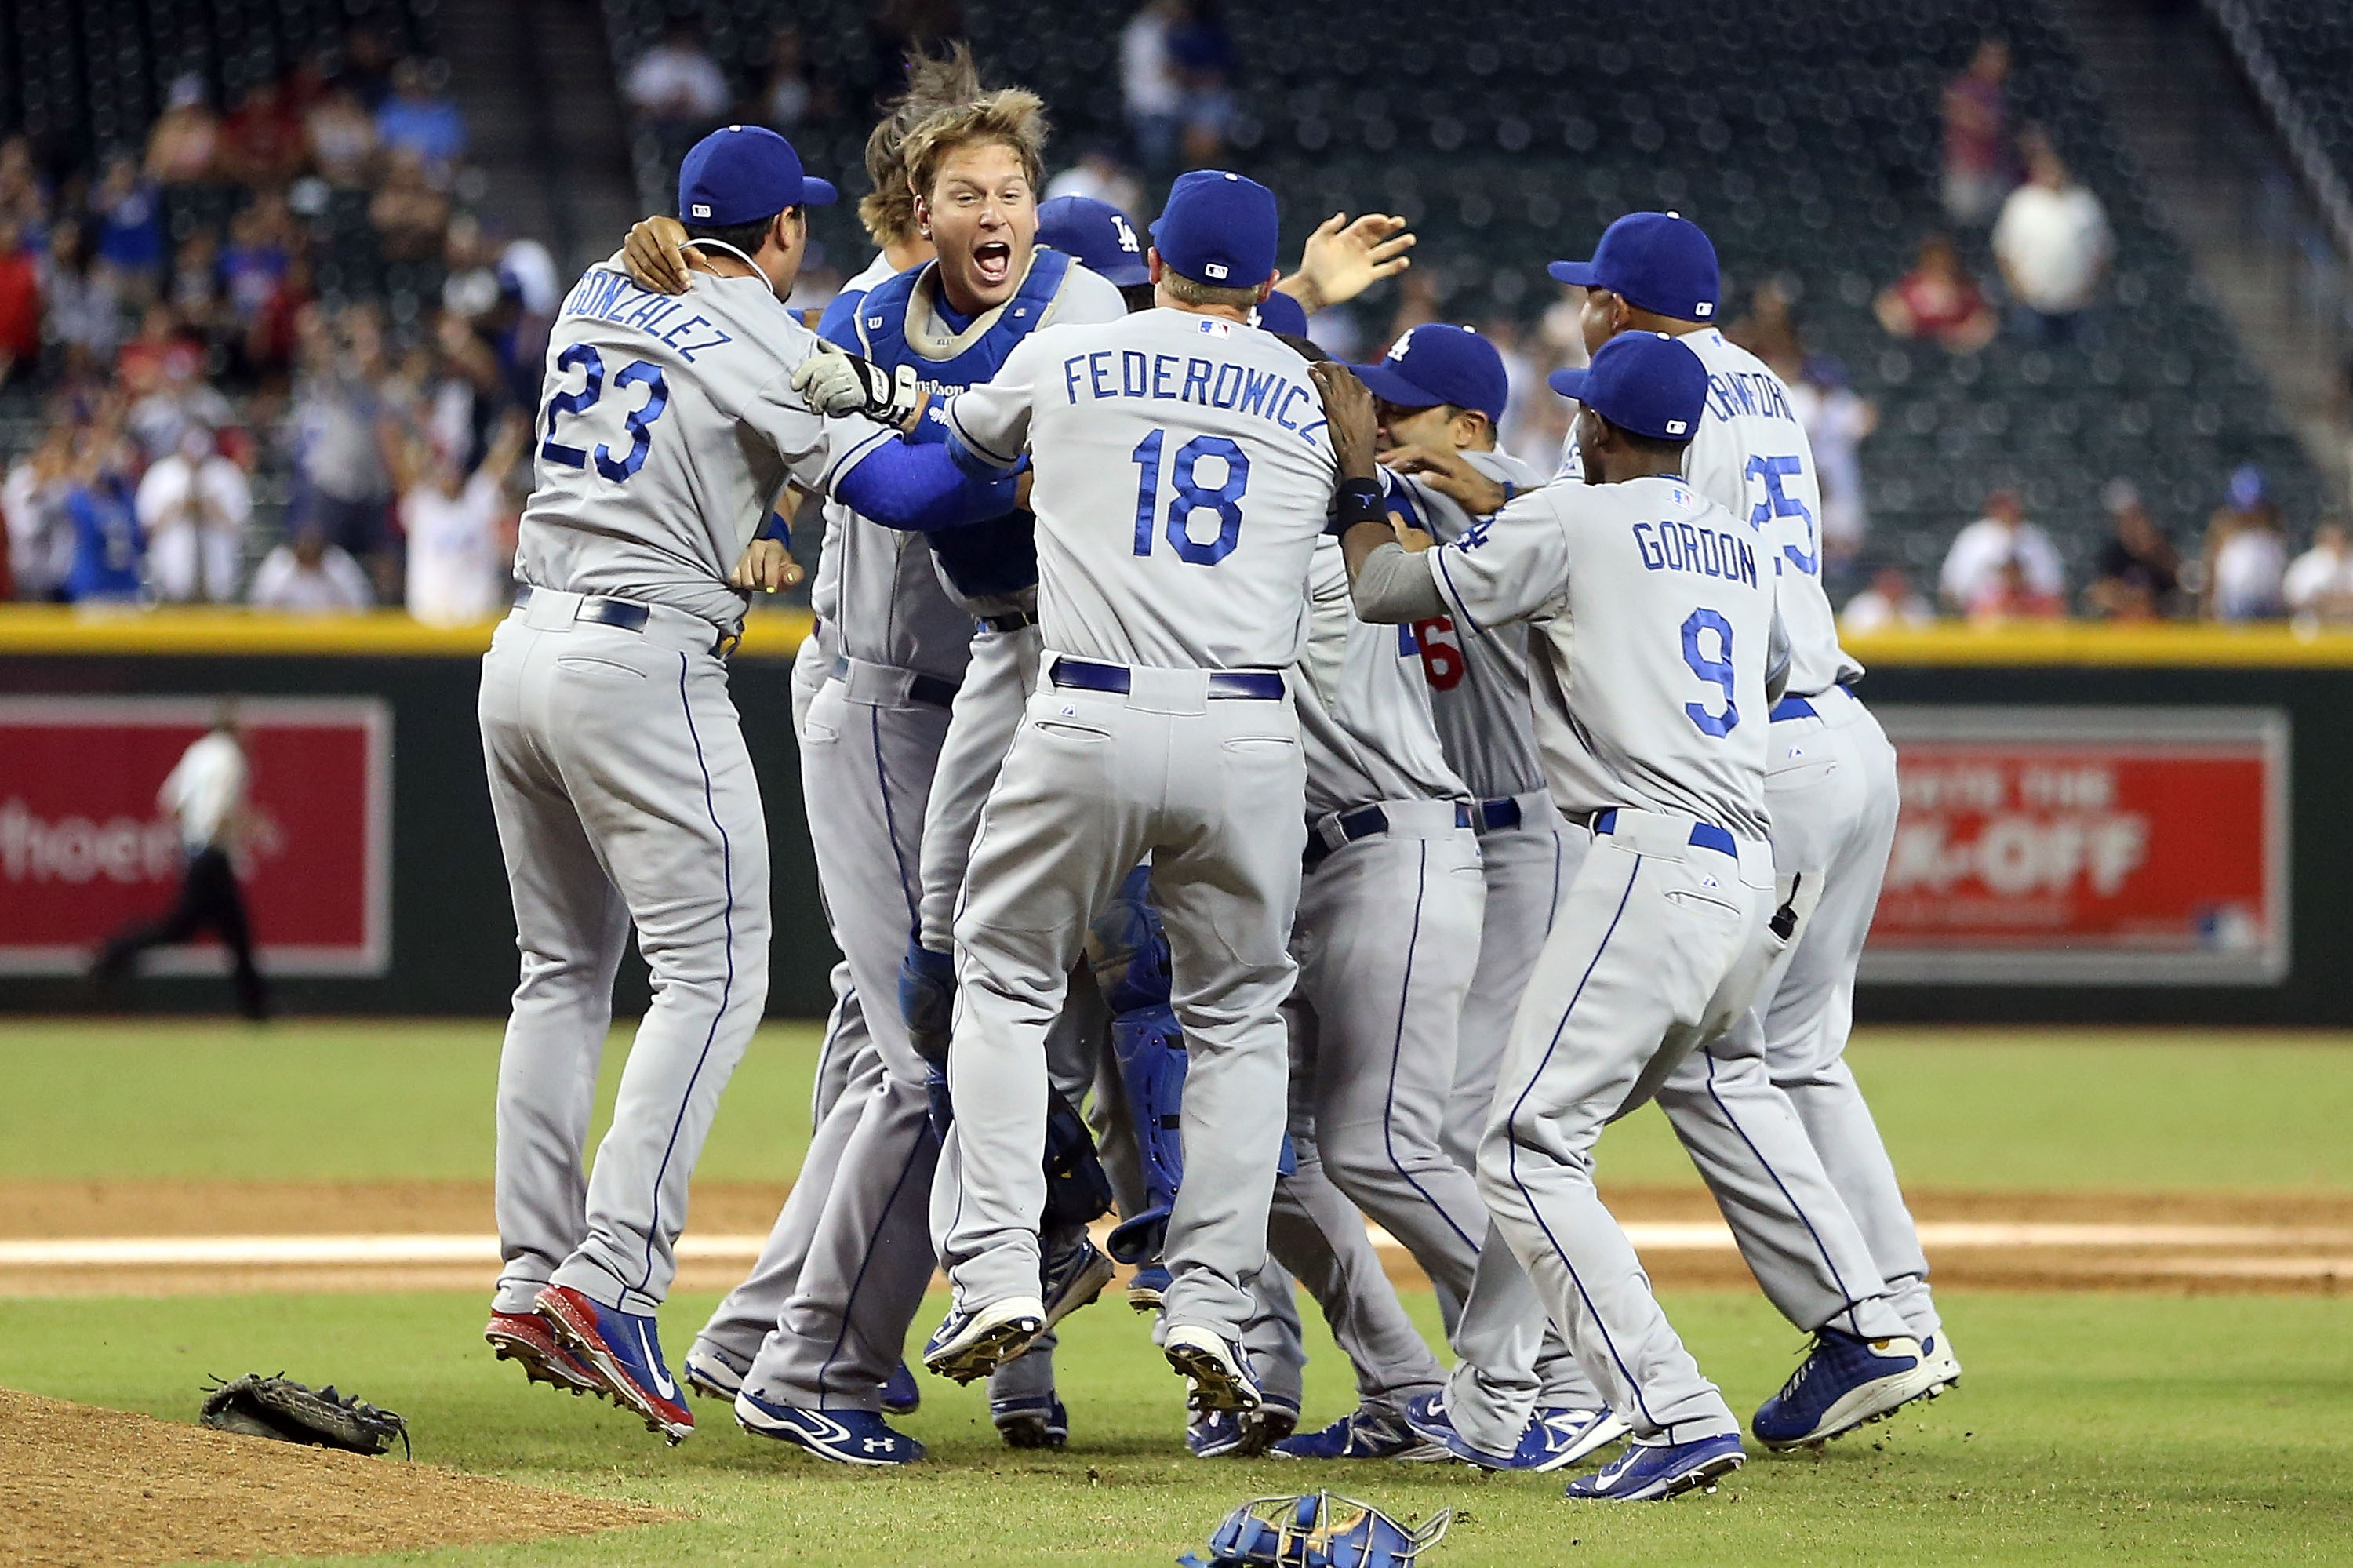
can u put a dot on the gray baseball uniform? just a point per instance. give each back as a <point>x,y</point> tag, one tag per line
<point>1479,697</point>
<point>1161,728</point>
<point>618,776</point>
<point>1655,614</point>
<point>1831,785</point>
<point>1727,1105</point>
<point>870,752</point>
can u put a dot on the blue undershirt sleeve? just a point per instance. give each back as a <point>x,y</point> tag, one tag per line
<point>922,489</point>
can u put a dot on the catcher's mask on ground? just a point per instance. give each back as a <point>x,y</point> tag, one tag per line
<point>1316,1531</point>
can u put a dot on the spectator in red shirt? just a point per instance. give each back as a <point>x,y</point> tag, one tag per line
<point>1977,168</point>
<point>262,141</point>
<point>20,307</point>
<point>1939,300</point>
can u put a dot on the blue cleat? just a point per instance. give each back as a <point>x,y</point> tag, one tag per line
<point>1652,1472</point>
<point>1541,1445</point>
<point>970,1344</point>
<point>1361,1435</point>
<point>1033,1421</point>
<point>1147,1286</point>
<point>623,1352</point>
<point>1843,1383</point>
<point>1074,1277</point>
<point>900,1394</point>
<point>843,1437</point>
<point>1240,1434</point>
<point>1584,1432</point>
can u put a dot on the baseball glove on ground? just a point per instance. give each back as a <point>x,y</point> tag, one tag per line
<point>279,1407</point>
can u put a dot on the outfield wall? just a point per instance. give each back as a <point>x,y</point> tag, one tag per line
<point>2102,825</point>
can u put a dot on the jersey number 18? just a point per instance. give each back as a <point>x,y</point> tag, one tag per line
<point>1192,497</point>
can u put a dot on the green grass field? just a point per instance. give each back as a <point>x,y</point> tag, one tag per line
<point>2108,1428</point>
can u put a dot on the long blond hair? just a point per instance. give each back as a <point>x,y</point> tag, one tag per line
<point>934,86</point>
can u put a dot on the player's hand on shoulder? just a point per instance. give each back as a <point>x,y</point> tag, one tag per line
<point>1344,258</point>
<point>837,383</point>
<point>655,255</point>
<point>1450,473</point>
<point>1349,416</point>
<point>766,568</point>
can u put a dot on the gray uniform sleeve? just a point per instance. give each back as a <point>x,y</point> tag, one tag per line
<point>1395,586</point>
<point>991,421</point>
<point>817,450</point>
<point>1511,567</point>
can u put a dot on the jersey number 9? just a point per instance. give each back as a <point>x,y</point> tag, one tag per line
<point>638,422</point>
<point>1717,671</point>
<point>1192,497</point>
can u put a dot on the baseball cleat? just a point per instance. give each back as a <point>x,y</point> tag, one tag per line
<point>1033,1421</point>
<point>900,1394</point>
<point>624,1352</point>
<point>1361,1435</point>
<point>970,1344</point>
<point>521,1336</point>
<point>1542,1446</point>
<point>1654,1471</point>
<point>1221,1379</point>
<point>1240,1434</point>
<point>843,1437</point>
<point>1585,1431</point>
<point>712,1372</point>
<point>1074,1277</point>
<point>1145,1288</point>
<point>1843,1383</point>
<point>1938,1348</point>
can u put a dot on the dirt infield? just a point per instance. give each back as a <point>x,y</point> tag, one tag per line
<point>103,1488</point>
<point>2176,1243</point>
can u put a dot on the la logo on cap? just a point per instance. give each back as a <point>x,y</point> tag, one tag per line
<point>1404,342</point>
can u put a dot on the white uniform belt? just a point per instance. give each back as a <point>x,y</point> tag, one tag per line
<point>890,687</point>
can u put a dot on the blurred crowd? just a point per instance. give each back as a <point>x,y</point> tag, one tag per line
<point>271,356</point>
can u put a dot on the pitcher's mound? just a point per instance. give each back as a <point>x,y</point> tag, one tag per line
<point>82,1485</point>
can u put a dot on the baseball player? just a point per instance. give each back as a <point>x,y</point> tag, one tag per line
<point>872,742</point>
<point>618,776</point>
<point>1655,615</point>
<point>1163,724</point>
<point>846,1064</point>
<point>205,794</point>
<point>1813,1198</point>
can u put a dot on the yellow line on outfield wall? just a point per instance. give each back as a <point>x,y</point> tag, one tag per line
<point>56,630</point>
<point>2091,642</point>
<point>381,633</point>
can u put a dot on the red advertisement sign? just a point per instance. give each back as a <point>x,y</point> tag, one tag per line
<point>2123,846</point>
<point>85,848</point>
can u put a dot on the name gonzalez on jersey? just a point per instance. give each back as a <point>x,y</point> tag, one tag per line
<point>1668,545</point>
<point>611,297</point>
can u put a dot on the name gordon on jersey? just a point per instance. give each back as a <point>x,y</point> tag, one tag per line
<point>610,297</point>
<point>1671,546</point>
<point>1213,384</point>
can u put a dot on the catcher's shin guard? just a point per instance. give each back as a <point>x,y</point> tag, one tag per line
<point>1150,1049</point>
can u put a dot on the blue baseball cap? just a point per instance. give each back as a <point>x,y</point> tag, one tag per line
<point>1219,229</point>
<point>1097,236</point>
<point>1280,312</point>
<point>741,174</point>
<point>1435,362</point>
<point>1659,261</point>
<point>1645,382</point>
